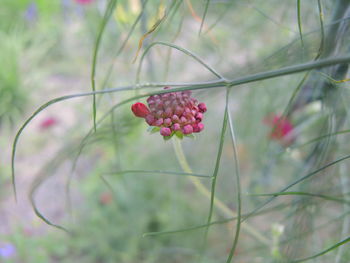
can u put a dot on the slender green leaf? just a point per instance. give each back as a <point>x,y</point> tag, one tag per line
<point>204,16</point>
<point>330,198</point>
<point>344,241</point>
<point>107,15</point>
<point>158,172</point>
<point>299,23</point>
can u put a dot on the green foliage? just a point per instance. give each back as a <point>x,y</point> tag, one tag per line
<point>240,191</point>
<point>12,98</point>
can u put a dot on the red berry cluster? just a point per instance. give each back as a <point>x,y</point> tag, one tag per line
<point>172,112</point>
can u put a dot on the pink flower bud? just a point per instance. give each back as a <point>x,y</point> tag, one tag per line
<point>186,93</point>
<point>167,103</point>
<point>183,120</point>
<point>175,118</point>
<point>198,127</point>
<point>168,112</point>
<point>199,116</point>
<point>160,105</point>
<point>176,127</point>
<point>187,129</point>
<point>165,131</point>
<point>150,119</point>
<point>202,107</point>
<point>178,111</point>
<point>167,122</point>
<point>201,126</point>
<point>159,114</point>
<point>140,110</point>
<point>159,122</point>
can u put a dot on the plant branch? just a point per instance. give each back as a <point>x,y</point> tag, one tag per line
<point>204,191</point>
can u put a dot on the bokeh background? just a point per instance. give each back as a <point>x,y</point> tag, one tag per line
<point>125,194</point>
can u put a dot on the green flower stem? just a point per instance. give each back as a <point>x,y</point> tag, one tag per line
<point>203,190</point>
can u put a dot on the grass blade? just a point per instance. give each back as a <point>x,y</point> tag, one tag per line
<point>107,15</point>
<point>344,241</point>
<point>299,23</point>
<point>158,172</point>
<point>297,182</point>
<point>153,28</point>
<point>329,198</point>
<point>204,16</point>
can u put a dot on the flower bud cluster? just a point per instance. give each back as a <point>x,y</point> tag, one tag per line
<point>172,112</point>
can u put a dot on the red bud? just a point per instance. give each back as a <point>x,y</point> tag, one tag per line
<point>140,110</point>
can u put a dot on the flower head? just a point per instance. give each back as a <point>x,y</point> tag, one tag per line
<point>173,112</point>
<point>282,129</point>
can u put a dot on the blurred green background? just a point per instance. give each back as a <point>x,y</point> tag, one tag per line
<point>110,187</point>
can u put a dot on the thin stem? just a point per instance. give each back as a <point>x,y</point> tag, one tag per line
<point>238,185</point>
<point>303,178</point>
<point>204,191</point>
<point>346,223</point>
<point>216,170</point>
<point>183,50</point>
<point>320,9</point>
<point>105,19</point>
<point>204,15</point>
<point>123,45</point>
<point>340,243</point>
<point>299,23</point>
<point>157,172</point>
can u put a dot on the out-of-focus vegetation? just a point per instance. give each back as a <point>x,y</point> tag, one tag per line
<point>274,149</point>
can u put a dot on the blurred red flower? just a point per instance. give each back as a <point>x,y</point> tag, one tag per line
<point>281,129</point>
<point>106,198</point>
<point>48,123</point>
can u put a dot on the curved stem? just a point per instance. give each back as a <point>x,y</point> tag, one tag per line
<point>238,185</point>
<point>204,191</point>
